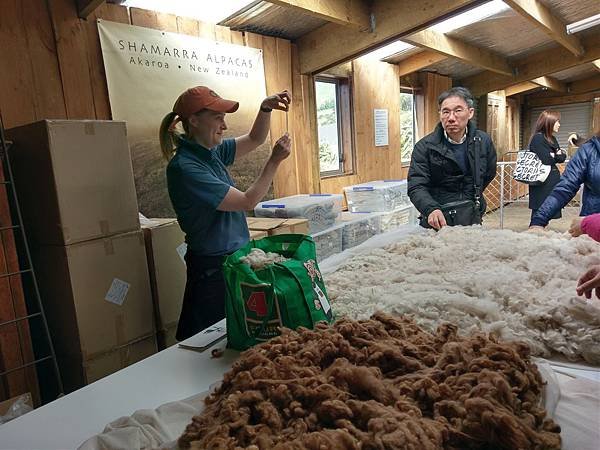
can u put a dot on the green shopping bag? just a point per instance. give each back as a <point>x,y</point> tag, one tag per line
<point>289,294</point>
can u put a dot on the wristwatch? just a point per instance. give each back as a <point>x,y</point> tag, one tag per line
<point>265,109</point>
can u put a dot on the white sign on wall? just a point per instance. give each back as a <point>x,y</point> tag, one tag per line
<point>381,127</point>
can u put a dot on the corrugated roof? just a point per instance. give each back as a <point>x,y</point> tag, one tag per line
<point>570,11</point>
<point>507,34</point>
<point>272,20</point>
<point>577,73</point>
<point>454,68</point>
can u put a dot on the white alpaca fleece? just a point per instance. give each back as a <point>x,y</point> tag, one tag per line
<point>258,259</point>
<point>518,286</point>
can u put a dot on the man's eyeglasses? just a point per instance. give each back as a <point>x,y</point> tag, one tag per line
<point>457,112</point>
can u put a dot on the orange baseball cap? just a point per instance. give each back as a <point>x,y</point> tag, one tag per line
<point>202,97</point>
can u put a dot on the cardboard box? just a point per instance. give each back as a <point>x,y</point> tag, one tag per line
<point>118,359</point>
<point>96,295</point>
<point>74,179</point>
<point>165,248</point>
<point>256,234</point>
<point>278,226</point>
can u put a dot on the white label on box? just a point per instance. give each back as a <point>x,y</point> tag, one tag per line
<point>323,299</point>
<point>117,292</point>
<point>181,251</point>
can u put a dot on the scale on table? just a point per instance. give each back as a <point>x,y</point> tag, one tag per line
<point>207,338</point>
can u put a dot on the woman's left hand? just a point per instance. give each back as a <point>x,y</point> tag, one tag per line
<point>575,229</point>
<point>280,101</point>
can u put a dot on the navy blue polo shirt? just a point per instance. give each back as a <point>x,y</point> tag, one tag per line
<point>198,181</point>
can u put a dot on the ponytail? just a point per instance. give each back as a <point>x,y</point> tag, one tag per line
<point>167,135</point>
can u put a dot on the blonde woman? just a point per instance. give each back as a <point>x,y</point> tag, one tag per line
<point>209,208</point>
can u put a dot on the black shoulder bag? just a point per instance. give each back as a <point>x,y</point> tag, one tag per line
<point>467,212</point>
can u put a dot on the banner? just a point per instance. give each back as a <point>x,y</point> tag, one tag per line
<point>146,70</point>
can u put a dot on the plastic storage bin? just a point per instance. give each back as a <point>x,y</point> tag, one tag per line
<point>321,210</point>
<point>358,227</point>
<point>328,242</point>
<point>394,219</point>
<point>377,196</point>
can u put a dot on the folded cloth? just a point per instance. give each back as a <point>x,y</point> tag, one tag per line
<point>148,429</point>
<point>578,414</point>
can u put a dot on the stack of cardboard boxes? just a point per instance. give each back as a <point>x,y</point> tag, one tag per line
<point>165,249</point>
<point>75,185</point>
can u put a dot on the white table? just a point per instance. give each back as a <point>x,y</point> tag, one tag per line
<point>172,374</point>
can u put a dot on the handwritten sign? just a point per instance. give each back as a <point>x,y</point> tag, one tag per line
<point>529,168</point>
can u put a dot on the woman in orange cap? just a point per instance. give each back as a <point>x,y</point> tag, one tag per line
<point>210,210</point>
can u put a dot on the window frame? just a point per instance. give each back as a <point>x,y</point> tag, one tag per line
<point>345,125</point>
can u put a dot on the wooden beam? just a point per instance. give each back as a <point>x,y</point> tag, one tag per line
<point>520,87</point>
<point>456,48</point>
<point>87,7</point>
<point>543,18</point>
<point>550,83</point>
<point>352,13</point>
<point>535,65</point>
<point>535,102</point>
<point>417,62</point>
<point>333,44</point>
<point>578,91</point>
<point>586,85</point>
<point>596,64</point>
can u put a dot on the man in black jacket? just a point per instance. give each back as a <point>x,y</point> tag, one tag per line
<point>442,164</point>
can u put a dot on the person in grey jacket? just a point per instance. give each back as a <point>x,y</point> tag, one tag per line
<point>582,169</point>
<point>442,163</point>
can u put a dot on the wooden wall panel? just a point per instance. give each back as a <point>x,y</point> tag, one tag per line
<point>513,120</point>
<point>253,40</point>
<point>432,86</point>
<point>113,13</point>
<point>206,30</point>
<point>153,19</point>
<point>188,26</point>
<point>376,86</point>
<point>17,93</point>
<point>596,116</point>
<point>303,120</point>
<point>71,44</point>
<point>277,60</point>
<point>48,94</point>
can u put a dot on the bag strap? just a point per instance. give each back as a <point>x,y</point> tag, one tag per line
<point>307,290</point>
<point>477,173</point>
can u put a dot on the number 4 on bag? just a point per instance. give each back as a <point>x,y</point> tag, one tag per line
<point>257,303</point>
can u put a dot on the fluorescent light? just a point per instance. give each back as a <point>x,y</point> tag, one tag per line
<point>471,16</point>
<point>210,11</point>
<point>389,50</point>
<point>584,24</point>
<point>453,23</point>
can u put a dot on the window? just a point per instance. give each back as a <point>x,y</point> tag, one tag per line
<point>408,124</point>
<point>334,125</point>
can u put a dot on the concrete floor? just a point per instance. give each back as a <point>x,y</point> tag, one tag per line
<point>517,216</point>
